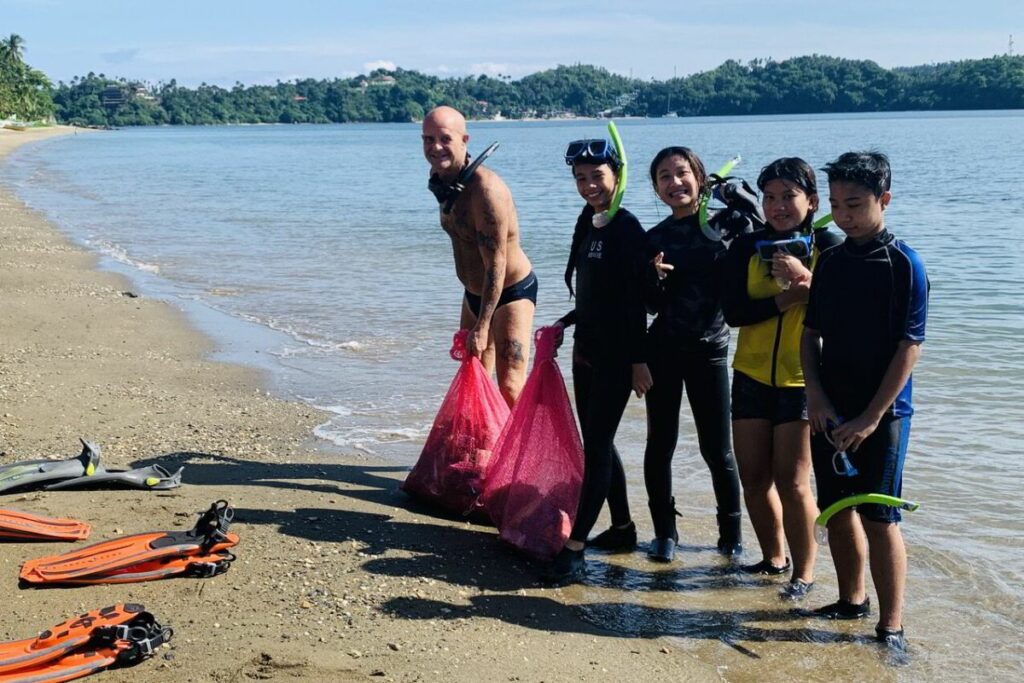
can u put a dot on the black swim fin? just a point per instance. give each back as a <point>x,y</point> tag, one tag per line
<point>152,478</point>
<point>32,473</point>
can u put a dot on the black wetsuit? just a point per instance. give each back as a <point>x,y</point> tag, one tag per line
<point>610,336</point>
<point>688,347</point>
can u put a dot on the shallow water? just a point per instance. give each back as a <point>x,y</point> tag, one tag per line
<point>314,253</point>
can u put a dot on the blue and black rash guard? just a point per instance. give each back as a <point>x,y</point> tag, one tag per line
<point>688,301</point>
<point>610,317</point>
<point>866,299</point>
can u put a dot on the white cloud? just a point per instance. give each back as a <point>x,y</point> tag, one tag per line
<point>380,64</point>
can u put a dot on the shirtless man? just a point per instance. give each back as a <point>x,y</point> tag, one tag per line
<point>501,289</point>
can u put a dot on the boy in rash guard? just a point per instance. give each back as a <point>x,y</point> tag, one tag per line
<point>609,355</point>
<point>863,332</point>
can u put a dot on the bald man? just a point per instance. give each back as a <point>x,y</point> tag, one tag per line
<point>501,289</point>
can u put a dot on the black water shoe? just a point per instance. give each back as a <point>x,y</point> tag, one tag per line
<point>895,644</point>
<point>795,590</point>
<point>615,539</point>
<point>843,609</point>
<point>567,567</point>
<point>765,568</point>
<point>892,638</point>
<point>662,550</point>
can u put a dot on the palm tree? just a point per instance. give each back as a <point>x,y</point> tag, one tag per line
<point>12,49</point>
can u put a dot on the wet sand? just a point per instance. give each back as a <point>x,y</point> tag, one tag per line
<point>338,576</point>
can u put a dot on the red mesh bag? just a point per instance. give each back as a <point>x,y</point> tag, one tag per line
<point>533,481</point>
<point>450,469</point>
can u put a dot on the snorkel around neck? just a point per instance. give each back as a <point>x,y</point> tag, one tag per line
<point>447,193</point>
<point>604,218</point>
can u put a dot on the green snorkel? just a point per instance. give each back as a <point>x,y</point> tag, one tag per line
<point>602,219</point>
<point>821,523</point>
<point>821,222</point>
<point>702,208</point>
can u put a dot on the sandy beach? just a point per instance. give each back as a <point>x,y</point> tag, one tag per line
<point>339,577</point>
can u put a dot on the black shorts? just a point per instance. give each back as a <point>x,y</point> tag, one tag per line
<point>524,289</point>
<point>752,400</point>
<point>879,462</point>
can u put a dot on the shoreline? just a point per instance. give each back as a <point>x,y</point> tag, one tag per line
<point>338,577</point>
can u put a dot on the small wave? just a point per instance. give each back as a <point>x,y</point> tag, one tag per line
<point>121,256</point>
<point>367,439</point>
<point>337,409</point>
<point>304,338</point>
<point>223,291</point>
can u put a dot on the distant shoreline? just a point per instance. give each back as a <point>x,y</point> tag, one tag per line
<point>814,84</point>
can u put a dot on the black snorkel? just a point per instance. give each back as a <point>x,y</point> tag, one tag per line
<point>446,194</point>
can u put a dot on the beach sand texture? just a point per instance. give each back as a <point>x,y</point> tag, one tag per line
<point>338,576</point>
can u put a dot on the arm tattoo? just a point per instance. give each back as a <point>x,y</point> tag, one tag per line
<point>488,238</point>
<point>488,242</point>
<point>490,285</point>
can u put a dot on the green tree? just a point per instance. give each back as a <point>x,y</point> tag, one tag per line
<point>24,91</point>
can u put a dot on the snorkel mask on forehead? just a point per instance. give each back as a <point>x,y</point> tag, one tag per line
<point>591,151</point>
<point>598,151</point>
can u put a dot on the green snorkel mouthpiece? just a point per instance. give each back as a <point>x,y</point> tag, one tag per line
<point>602,219</point>
<point>821,523</point>
<point>702,208</point>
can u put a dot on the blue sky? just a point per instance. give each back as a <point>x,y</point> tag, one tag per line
<point>258,41</point>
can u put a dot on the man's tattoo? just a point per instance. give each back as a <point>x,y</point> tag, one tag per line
<point>490,285</point>
<point>488,242</point>
<point>513,351</point>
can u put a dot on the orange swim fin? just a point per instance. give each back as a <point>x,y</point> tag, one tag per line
<point>139,554</point>
<point>196,566</point>
<point>56,642</point>
<point>24,526</point>
<point>81,645</point>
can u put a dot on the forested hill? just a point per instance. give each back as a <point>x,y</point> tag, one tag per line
<point>814,84</point>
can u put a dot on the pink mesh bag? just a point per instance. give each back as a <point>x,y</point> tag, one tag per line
<point>451,467</point>
<point>533,481</point>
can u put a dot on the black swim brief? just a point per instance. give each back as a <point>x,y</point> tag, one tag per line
<point>524,289</point>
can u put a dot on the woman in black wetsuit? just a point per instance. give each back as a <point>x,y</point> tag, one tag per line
<point>688,347</point>
<point>608,351</point>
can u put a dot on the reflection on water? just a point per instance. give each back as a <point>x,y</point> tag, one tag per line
<point>326,240</point>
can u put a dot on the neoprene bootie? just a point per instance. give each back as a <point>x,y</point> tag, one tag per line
<point>730,537</point>
<point>666,536</point>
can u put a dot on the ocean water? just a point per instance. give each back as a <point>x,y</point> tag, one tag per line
<point>314,253</point>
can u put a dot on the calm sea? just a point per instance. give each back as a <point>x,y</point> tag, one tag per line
<point>314,253</point>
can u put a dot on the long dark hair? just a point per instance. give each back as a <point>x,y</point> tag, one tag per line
<point>583,224</point>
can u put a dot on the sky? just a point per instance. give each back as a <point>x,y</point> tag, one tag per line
<point>258,41</point>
